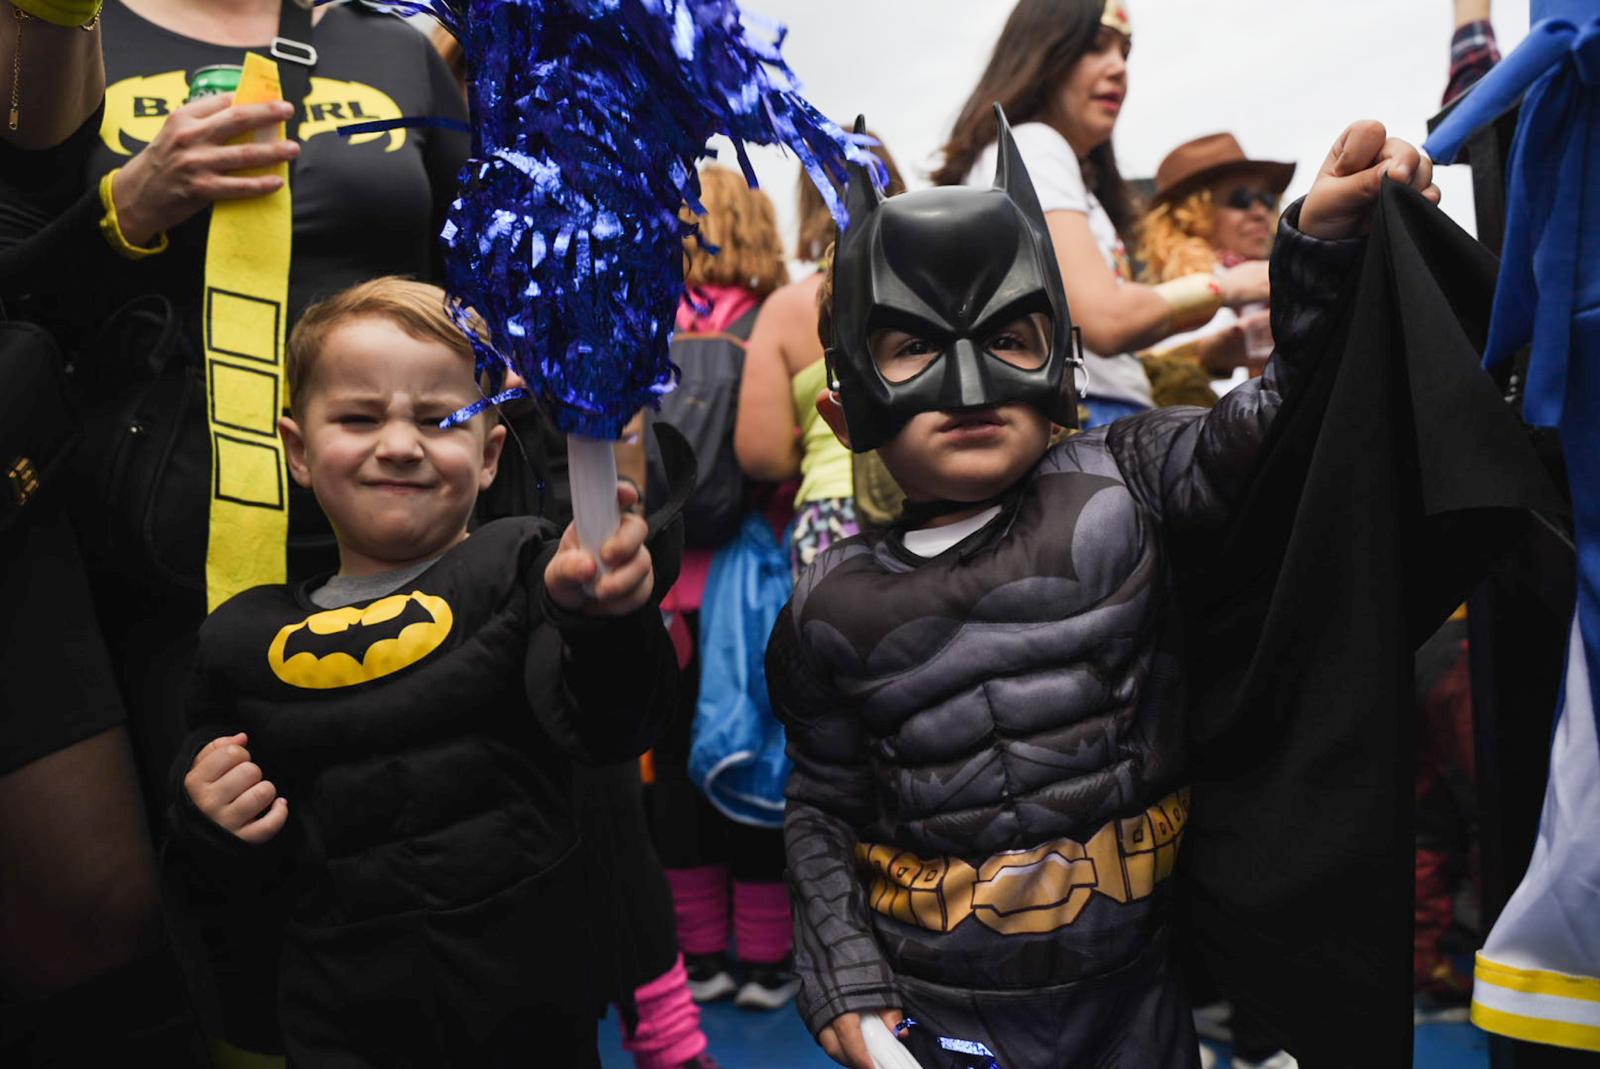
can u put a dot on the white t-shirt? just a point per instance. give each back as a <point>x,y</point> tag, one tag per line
<point>1058,183</point>
<point>929,542</point>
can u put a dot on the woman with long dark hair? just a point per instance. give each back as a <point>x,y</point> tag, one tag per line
<point>1059,69</point>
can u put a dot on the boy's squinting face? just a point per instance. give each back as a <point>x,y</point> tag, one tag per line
<point>396,487</point>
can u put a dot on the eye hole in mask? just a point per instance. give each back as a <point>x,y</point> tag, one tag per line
<point>901,355</point>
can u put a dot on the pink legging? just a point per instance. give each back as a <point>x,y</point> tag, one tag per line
<point>668,1033</point>
<point>762,923</point>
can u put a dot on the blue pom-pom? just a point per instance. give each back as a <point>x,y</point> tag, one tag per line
<point>587,119</point>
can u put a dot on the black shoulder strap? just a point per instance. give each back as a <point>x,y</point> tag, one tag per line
<point>296,55</point>
<point>742,327</point>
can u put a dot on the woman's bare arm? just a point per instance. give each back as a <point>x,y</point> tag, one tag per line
<point>54,84</point>
<point>1115,316</point>
<point>765,435</point>
<point>1120,317</point>
<point>1471,11</point>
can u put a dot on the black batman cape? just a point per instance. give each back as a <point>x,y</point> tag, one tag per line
<point>1389,482</point>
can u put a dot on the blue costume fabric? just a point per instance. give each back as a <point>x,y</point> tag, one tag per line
<point>737,756</point>
<point>1538,977</point>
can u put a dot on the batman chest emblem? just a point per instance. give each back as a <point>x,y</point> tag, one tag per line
<point>359,643</point>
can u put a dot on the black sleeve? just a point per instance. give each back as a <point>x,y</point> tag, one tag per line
<point>601,687</point>
<point>209,714</point>
<point>50,240</point>
<point>841,968</point>
<point>1189,464</point>
<point>225,899</point>
<point>51,178</point>
<point>57,255</point>
<point>446,151</point>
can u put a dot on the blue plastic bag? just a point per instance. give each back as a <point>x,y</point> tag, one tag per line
<point>736,755</point>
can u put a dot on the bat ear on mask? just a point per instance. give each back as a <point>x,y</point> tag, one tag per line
<point>861,196</point>
<point>1010,173</point>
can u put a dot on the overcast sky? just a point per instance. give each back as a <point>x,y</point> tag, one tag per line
<point>1285,76</point>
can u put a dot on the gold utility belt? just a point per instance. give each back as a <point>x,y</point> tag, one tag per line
<point>1030,891</point>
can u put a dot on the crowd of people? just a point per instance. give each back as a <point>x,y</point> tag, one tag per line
<point>543,779</point>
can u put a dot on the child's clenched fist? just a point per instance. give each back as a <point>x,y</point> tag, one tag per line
<point>225,785</point>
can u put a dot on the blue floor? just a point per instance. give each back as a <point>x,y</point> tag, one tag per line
<point>743,1040</point>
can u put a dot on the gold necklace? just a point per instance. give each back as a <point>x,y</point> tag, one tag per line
<point>16,64</point>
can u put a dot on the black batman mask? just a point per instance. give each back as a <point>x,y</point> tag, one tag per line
<point>951,266</point>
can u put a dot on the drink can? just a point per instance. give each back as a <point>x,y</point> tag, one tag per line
<point>210,81</point>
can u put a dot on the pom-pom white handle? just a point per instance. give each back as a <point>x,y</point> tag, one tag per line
<point>592,471</point>
<point>887,1051</point>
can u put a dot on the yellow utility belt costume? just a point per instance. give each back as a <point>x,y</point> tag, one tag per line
<point>246,303</point>
<point>1030,891</point>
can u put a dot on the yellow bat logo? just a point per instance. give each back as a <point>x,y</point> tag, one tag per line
<point>137,107</point>
<point>332,104</point>
<point>360,643</point>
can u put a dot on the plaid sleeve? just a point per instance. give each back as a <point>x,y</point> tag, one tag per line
<point>841,967</point>
<point>1473,52</point>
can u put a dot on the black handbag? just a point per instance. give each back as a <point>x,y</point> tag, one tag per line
<point>143,471</point>
<point>38,427</point>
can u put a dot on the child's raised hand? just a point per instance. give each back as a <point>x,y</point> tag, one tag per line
<point>228,788</point>
<point>629,578</point>
<point>1347,185</point>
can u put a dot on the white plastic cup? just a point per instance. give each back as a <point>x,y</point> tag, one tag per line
<point>1257,334</point>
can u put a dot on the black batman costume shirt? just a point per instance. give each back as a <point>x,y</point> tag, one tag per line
<point>426,903</point>
<point>989,784</point>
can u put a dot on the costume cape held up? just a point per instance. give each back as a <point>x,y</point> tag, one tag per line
<point>1389,480</point>
<point>1538,975</point>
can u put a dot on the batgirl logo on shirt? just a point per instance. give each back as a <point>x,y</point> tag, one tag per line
<point>360,643</point>
<point>332,104</point>
<point>137,107</point>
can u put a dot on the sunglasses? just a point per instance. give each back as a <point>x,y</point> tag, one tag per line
<point>1241,199</point>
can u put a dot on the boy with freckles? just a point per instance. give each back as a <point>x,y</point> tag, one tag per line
<point>985,702</point>
<point>373,826</point>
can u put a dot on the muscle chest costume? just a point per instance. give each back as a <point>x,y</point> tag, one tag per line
<point>988,793</point>
<point>431,904</point>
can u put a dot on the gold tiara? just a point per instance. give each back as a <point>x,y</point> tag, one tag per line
<point>1115,16</point>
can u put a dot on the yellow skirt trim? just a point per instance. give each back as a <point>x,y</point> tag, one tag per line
<point>1536,1029</point>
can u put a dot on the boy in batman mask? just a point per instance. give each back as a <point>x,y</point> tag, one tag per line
<point>984,703</point>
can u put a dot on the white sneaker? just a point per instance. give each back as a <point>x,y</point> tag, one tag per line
<point>709,978</point>
<point>1281,1060</point>
<point>1208,1057</point>
<point>767,987</point>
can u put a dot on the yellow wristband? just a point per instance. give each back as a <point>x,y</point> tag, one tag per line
<point>1194,298</point>
<point>113,229</point>
<point>61,12</point>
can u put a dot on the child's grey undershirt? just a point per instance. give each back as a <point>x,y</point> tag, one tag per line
<point>344,590</point>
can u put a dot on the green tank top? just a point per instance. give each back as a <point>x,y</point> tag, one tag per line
<point>824,461</point>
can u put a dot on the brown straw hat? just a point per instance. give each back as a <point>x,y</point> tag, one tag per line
<point>1196,162</point>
